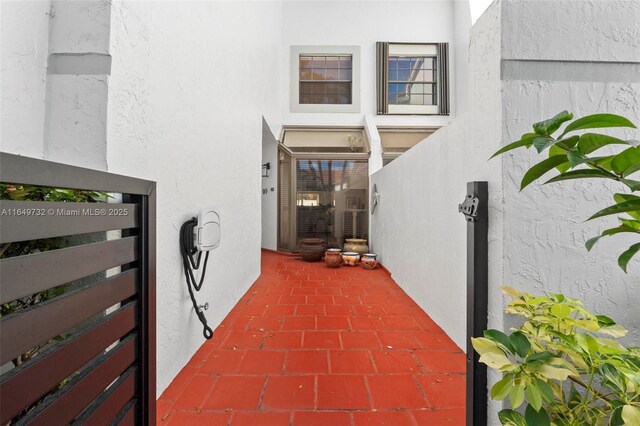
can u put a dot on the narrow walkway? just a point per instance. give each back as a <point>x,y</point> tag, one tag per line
<point>309,345</point>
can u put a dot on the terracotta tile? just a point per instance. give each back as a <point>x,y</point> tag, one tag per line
<point>236,392</point>
<point>321,340</point>
<point>310,310</point>
<point>321,418</point>
<point>353,291</point>
<point>299,323</point>
<point>382,418</point>
<point>398,339</point>
<point>392,392</point>
<point>445,417</point>
<point>194,395</point>
<point>340,309</point>
<point>293,300</point>
<point>400,322</point>
<point>289,392</point>
<point>366,310</point>
<point>269,323</point>
<point>280,309</point>
<point>306,362</point>
<point>251,309</point>
<point>328,291</point>
<point>342,392</point>
<point>164,408</point>
<point>261,362</point>
<point>366,323</point>
<point>243,340</point>
<point>346,300</point>
<point>395,361</point>
<point>306,291</point>
<point>283,340</point>
<point>222,361</point>
<point>435,341</point>
<point>201,418</point>
<point>359,340</point>
<point>173,391</point>
<point>320,300</point>
<point>259,418</point>
<point>350,362</point>
<point>441,361</point>
<point>333,323</point>
<point>443,390</point>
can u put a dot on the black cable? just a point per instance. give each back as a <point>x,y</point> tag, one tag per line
<point>187,250</point>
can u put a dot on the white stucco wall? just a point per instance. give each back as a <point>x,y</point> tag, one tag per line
<point>417,230</point>
<point>24,48</point>
<point>190,83</point>
<point>363,23</point>
<point>270,185</point>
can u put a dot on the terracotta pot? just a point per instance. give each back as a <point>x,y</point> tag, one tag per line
<point>311,249</point>
<point>356,244</point>
<point>369,261</point>
<point>350,258</point>
<point>333,258</point>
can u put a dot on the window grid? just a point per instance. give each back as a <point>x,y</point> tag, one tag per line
<point>325,79</point>
<point>412,80</point>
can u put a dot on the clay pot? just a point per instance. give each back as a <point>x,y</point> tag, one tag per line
<point>369,261</point>
<point>350,258</point>
<point>311,249</point>
<point>333,258</point>
<point>356,244</point>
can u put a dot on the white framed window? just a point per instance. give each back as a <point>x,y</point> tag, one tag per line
<point>412,78</point>
<point>325,79</point>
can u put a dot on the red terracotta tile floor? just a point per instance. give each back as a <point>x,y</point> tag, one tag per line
<point>309,345</point>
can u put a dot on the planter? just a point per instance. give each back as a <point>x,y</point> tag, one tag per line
<point>333,258</point>
<point>350,258</point>
<point>311,249</point>
<point>369,261</point>
<point>356,244</point>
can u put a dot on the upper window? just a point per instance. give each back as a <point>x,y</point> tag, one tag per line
<point>325,79</point>
<point>412,78</point>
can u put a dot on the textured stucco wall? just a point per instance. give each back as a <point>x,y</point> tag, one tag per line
<point>555,259</point>
<point>24,49</point>
<point>270,185</point>
<point>363,23</point>
<point>189,85</point>
<point>417,230</point>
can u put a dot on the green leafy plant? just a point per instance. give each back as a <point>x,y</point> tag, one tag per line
<point>565,361</point>
<point>575,156</point>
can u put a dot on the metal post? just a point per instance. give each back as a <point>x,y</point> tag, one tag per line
<point>475,209</point>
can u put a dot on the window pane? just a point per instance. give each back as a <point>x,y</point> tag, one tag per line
<point>331,74</point>
<point>345,62</point>
<point>305,62</point>
<point>345,74</point>
<point>319,76</point>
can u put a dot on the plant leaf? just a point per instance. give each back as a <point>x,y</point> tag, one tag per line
<point>576,157</point>
<point>625,257</point>
<point>500,337</point>
<point>621,198</point>
<point>631,415</point>
<point>630,157</point>
<point>545,390</point>
<point>597,121</point>
<point>537,417</point>
<point>568,143</point>
<point>526,140</point>
<point>516,396</point>
<point>627,206</point>
<point>590,142</point>
<point>520,343</point>
<point>541,168</point>
<point>501,389</point>
<point>580,174</point>
<point>534,397</point>
<point>543,143</point>
<point>552,124</point>
<point>511,418</point>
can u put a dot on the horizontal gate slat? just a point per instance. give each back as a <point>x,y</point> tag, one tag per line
<point>33,171</point>
<point>105,409</point>
<point>32,380</point>
<point>127,416</point>
<point>48,219</point>
<point>25,275</point>
<point>21,331</point>
<point>66,404</point>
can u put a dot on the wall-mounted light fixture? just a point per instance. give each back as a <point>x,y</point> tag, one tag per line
<point>265,169</point>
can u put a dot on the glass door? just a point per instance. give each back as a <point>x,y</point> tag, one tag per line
<point>331,200</point>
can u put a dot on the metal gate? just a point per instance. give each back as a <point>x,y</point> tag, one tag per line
<point>95,362</point>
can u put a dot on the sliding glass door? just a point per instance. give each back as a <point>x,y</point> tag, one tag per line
<point>329,198</point>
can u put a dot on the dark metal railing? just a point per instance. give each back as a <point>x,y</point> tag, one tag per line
<point>476,212</point>
<point>96,364</point>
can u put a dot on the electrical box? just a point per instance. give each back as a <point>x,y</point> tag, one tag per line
<point>207,233</point>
